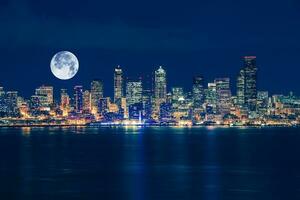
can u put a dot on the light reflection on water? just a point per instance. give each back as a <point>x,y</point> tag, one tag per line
<point>149,163</point>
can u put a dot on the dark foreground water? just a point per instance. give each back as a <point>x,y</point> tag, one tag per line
<point>151,163</point>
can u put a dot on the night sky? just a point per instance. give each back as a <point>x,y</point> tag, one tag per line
<point>187,38</point>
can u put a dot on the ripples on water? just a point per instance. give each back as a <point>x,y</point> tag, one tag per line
<point>149,163</point>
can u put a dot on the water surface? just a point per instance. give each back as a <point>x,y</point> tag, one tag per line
<point>150,163</point>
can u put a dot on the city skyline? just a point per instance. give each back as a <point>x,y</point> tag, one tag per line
<point>208,102</point>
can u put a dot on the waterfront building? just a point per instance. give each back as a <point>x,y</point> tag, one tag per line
<point>165,112</point>
<point>104,105</point>
<point>211,96</point>
<point>240,89</point>
<point>198,92</point>
<point>78,98</point>
<point>147,104</point>
<point>96,94</point>
<point>87,101</point>
<point>160,89</point>
<point>64,102</point>
<point>45,94</point>
<point>133,92</point>
<point>223,95</point>
<point>135,111</point>
<point>11,102</point>
<point>118,84</point>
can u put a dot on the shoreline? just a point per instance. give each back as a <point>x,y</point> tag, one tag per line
<point>146,126</point>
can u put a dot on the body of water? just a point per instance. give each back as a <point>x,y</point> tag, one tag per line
<point>149,163</point>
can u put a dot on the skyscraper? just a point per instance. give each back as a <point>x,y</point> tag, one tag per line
<point>198,91</point>
<point>118,84</point>
<point>87,101</point>
<point>78,98</point>
<point>160,90</point>
<point>2,101</point>
<point>64,102</point>
<point>160,85</point>
<point>11,103</point>
<point>240,88</point>
<point>45,93</point>
<point>211,95</point>
<point>223,95</point>
<point>96,94</point>
<point>246,84</point>
<point>250,82</point>
<point>134,92</point>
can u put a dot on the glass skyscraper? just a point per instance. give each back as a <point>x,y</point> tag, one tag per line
<point>198,91</point>
<point>78,98</point>
<point>96,94</point>
<point>246,84</point>
<point>250,82</point>
<point>45,94</point>
<point>223,95</point>
<point>118,84</point>
<point>160,85</point>
<point>134,92</point>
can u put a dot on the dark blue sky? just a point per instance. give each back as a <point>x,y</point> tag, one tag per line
<point>199,37</point>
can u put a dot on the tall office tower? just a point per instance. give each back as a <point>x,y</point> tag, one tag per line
<point>211,94</point>
<point>223,95</point>
<point>2,103</point>
<point>96,95</point>
<point>11,100</point>
<point>46,95</point>
<point>118,84</point>
<point>240,88</point>
<point>104,105</point>
<point>250,70</point>
<point>133,92</point>
<point>160,85</point>
<point>177,93</point>
<point>64,102</point>
<point>147,104</point>
<point>78,98</point>
<point>198,91</point>
<point>262,102</point>
<point>87,101</point>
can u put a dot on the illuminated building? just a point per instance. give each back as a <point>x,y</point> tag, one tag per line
<point>45,94</point>
<point>177,94</point>
<point>223,95</point>
<point>2,102</point>
<point>160,87</point>
<point>262,102</point>
<point>250,71</point>
<point>134,92</point>
<point>87,101</point>
<point>147,104</point>
<point>165,112</point>
<point>122,106</point>
<point>78,98</point>
<point>135,111</point>
<point>240,88</point>
<point>11,102</point>
<point>64,102</point>
<point>96,94</point>
<point>211,95</point>
<point>104,105</point>
<point>198,91</point>
<point>118,84</point>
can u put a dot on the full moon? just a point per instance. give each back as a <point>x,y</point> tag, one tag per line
<point>64,65</point>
